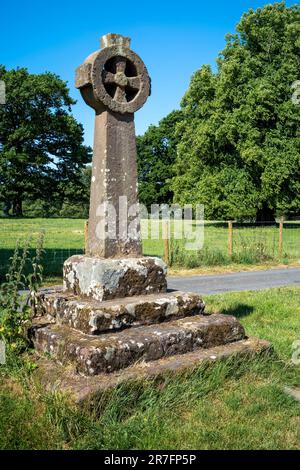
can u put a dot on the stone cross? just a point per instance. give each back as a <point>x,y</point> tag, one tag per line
<point>115,83</point>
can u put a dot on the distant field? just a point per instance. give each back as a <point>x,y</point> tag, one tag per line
<point>65,237</point>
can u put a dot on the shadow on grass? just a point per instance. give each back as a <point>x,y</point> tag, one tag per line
<point>239,310</point>
<point>52,261</point>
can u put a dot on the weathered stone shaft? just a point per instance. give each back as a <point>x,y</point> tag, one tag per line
<point>114,188</point>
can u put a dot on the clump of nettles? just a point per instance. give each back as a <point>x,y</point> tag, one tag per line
<point>17,310</point>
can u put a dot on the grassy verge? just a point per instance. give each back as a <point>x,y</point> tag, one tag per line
<point>230,268</point>
<point>231,405</point>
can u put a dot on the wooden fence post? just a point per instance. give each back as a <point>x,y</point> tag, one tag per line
<point>86,230</point>
<point>165,232</point>
<point>280,242</point>
<point>230,239</point>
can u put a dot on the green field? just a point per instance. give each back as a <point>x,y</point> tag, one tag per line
<point>64,237</point>
<point>230,405</point>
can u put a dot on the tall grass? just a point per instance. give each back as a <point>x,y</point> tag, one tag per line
<point>248,253</point>
<point>231,405</point>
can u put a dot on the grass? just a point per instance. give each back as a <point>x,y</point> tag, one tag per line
<point>230,405</point>
<point>63,238</point>
<point>252,246</point>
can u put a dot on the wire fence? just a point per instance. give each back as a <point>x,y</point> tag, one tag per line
<point>242,243</point>
<point>224,243</point>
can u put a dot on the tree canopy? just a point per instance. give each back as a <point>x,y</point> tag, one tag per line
<point>156,156</point>
<point>234,146</point>
<point>41,145</point>
<point>239,138</point>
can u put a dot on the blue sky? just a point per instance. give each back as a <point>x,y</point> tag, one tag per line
<point>174,38</point>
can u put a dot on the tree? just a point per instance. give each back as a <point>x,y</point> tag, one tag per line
<point>77,196</point>
<point>41,144</point>
<point>156,155</point>
<point>239,150</point>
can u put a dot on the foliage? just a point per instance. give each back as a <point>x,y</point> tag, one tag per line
<point>41,144</point>
<point>77,196</point>
<point>239,139</point>
<point>16,310</point>
<point>156,151</point>
<point>74,202</point>
<point>41,208</point>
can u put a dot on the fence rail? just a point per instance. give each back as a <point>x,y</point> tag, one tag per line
<point>224,242</point>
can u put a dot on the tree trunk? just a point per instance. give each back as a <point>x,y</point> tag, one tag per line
<point>265,214</point>
<point>17,207</point>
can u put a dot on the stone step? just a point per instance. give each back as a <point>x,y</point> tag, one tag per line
<point>56,377</point>
<point>94,317</point>
<point>109,352</point>
<point>111,278</point>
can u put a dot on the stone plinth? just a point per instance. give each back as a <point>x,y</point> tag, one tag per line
<point>93,317</point>
<point>105,279</point>
<point>93,355</point>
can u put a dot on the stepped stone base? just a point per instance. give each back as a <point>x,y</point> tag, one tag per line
<point>93,355</point>
<point>93,317</point>
<point>105,279</point>
<point>113,321</point>
<point>81,389</point>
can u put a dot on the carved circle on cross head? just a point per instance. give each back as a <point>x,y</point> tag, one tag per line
<point>120,79</point>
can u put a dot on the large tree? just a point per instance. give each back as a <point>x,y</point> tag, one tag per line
<point>239,150</point>
<point>41,144</point>
<point>156,156</point>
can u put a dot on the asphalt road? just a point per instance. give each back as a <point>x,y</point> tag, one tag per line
<point>246,280</point>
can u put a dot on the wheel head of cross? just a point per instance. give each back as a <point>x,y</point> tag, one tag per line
<point>114,77</point>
